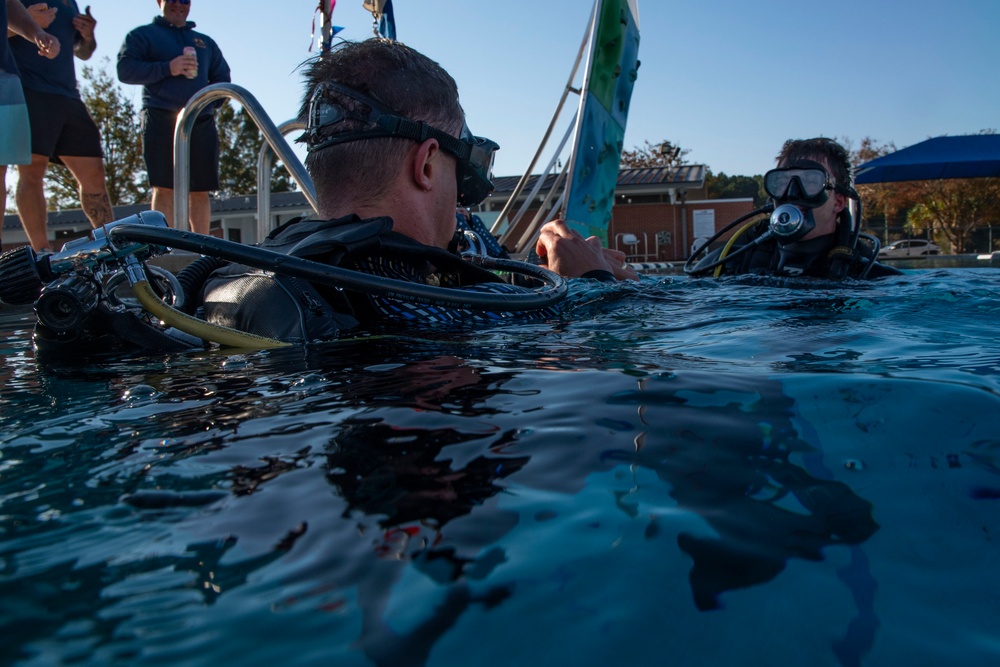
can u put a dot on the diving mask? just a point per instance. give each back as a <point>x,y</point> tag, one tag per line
<point>805,183</point>
<point>473,155</point>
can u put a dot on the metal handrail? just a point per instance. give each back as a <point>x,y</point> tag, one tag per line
<point>264,165</point>
<point>272,137</point>
<point>522,183</point>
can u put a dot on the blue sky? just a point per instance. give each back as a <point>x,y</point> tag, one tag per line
<point>728,80</point>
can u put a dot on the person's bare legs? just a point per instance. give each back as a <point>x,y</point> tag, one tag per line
<point>200,212</point>
<point>89,174</point>
<point>30,198</point>
<point>199,208</point>
<point>163,201</point>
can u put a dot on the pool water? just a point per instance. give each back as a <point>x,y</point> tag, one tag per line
<point>685,472</point>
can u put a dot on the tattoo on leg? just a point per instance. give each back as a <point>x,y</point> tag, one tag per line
<point>97,208</point>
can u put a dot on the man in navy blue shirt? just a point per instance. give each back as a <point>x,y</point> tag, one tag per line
<point>172,62</point>
<point>15,130</point>
<point>62,130</point>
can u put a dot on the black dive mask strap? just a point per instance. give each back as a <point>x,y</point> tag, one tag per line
<point>473,154</point>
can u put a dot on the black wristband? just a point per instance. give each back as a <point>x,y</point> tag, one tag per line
<point>601,275</point>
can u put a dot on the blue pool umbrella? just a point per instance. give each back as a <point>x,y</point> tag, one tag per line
<point>967,156</point>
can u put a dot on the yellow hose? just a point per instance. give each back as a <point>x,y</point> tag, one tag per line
<point>192,325</point>
<point>729,244</point>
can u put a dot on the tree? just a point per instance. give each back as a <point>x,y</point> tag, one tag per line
<point>239,147</point>
<point>722,186</point>
<point>660,154</point>
<point>891,201</point>
<point>121,137</point>
<point>949,209</point>
<point>957,207</point>
<point>118,122</point>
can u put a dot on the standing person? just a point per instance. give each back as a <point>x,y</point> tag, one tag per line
<point>172,62</point>
<point>15,131</point>
<point>62,130</point>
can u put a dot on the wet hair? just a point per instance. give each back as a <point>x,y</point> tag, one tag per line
<point>819,149</point>
<point>405,81</point>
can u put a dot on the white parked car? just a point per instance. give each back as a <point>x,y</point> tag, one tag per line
<point>910,248</point>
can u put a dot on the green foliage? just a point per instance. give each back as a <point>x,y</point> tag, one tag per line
<point>239,147</point>
<point>660,154</point>
<point>118,122</point>
<point>722,186</point>
<point>955,208</point>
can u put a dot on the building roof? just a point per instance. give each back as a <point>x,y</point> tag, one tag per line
<point>650,180</point>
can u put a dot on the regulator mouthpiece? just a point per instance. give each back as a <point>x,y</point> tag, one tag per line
<point>789,223</point>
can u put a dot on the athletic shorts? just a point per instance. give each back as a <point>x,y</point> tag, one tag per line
<point>61,125</point>
<point>158,150</point>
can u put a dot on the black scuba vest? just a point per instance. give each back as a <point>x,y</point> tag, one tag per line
<point>816,258</point>
<point>295,310</point>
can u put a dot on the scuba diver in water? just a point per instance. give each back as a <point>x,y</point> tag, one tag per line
<point>390,155</point>
<point>812,230</point>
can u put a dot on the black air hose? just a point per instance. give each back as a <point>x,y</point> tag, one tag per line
<point>336,276</point>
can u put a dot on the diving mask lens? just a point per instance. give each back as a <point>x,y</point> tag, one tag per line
<point>475,173</point>
<point>797,183</point>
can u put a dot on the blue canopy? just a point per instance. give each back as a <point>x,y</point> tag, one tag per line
<point>968,156</point>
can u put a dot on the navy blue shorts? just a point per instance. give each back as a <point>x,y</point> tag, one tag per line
<point>61,125</point>
<point>158,150</point>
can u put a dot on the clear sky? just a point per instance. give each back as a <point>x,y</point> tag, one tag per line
<point>727,79</point>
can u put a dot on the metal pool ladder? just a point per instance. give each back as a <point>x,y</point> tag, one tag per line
<point>274,144</point>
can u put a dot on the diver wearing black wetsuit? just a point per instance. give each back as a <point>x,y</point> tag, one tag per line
<point>291,309</point>
<point>755,252</point>
<point>811,232</point>
<point>390,155</point>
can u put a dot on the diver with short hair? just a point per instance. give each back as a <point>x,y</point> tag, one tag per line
<point>390,154</point>
<point>812,230</point>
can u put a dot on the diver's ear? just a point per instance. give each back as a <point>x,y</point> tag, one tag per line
<point>839,202</point>
<point>425,162</point>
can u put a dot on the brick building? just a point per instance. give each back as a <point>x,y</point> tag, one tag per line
<point>657,216</point>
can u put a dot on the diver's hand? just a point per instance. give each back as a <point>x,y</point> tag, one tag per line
<point>566,252</point>
<point>622,269</point>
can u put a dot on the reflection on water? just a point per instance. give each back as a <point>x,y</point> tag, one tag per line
<point>687,471</point>
<point>726,455</point>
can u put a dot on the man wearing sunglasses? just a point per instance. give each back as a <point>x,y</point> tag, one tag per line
<point>390,155</point>
<point>172,62</point>
<point>812,230</point>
